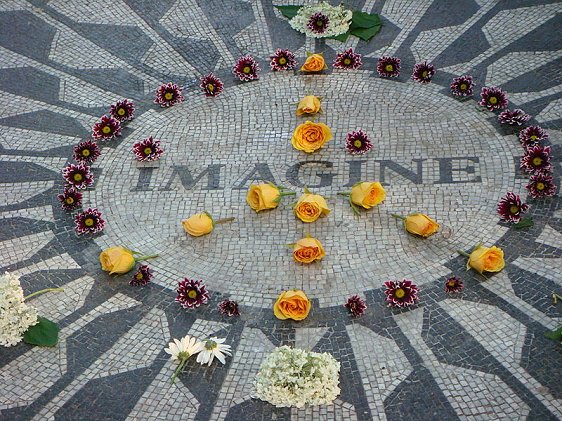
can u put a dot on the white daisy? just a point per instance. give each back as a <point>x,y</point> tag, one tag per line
<point>213,347</point>
<point>181,350</point>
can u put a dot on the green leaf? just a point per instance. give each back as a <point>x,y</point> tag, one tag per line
<point>364,20</point>
<point>555,335</point>
<point>289,11</point>
<point>524,223</point>
<point>341,37</point>
<point>366,33</point>
<point>44,333</point>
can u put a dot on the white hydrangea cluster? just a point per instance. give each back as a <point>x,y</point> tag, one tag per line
<point>295,377</point>
<point>15,316</point>
<point>339,19</point>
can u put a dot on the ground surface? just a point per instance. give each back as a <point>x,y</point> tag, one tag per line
<point>479,355</point>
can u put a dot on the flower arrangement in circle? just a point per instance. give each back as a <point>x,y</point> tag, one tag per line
<point>358,142</point>
<point>314,63</point>
<point>308,250</point>
<point>106,129</point>
<point>356,305</point>
<point>541,185</point>
<point>191,293</point>
<point>229,308</point>
<point>321,20</point>
<point>310,137</point>
<point>70,198</point>
<point>148,149</point>
<point>310,207</point>
<point>142,277</point>
<point>348,60</point>
<point>123,110</point>
<point>87,152</point>
<point>78,175</point>
<point>168,94</point>
<point>293,304</point>
<point>462,86</point>
<point>309,105</point>
<point>246,68</point>
<point>532,136</point>
<point>419,224</point>
<point>493,98</point>
<point>365,194</point>
<point>454,285</point>
<point>282,60</point>
<point>537,160</point>
<point>388,66</point>
<point>510,208</point>
<point>120,260</point>
<point>423,72</point>
<point>517,117</point>
<point>89,222</point>
<point>401,293</point>
<point>211,85</point>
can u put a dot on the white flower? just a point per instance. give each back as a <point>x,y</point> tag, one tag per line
<point>338,17</point>
<point>214,347</point>
<point>181,350</point>
<point>15,316</point>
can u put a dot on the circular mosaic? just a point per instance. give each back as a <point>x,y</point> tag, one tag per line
<point>434,155</point>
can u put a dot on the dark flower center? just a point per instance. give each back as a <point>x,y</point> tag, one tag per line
<point>78,177</point>
<point>540,186</point>
<point>282,60</point>
<point>389,67</point>
<point>106,130</point>
<point>319,22</point>
<point>89,222</point>
<point>493,100</point>
<point>86,152</point>
<point>147,151</point>
<point>192,293</point>
<point>537,161</point>
<point>69,200</point>
<point>399,293</point>
<point>121,111</point>
<point>210,87</point>
<point>357,143</point>
<point>463,86</point>
<point>168,96</point>
<point>513,209</point>
<point>347,61</point>
<point>246,69</point>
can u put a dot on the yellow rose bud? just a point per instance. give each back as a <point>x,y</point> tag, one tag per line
<point>198,224</point>
<point>263,196</point>
<point>420,224</point>
<point>314,63</point>
<point>486,259</point>
<point>310,104</point>
<point>310,207</point>
<point>117,260</point>
<point>310,137</point>
<point>308,250</point>
<point>367,194</point>
<point>292,305</point>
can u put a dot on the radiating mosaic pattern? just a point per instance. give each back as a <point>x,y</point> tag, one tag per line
<point>480,354</point>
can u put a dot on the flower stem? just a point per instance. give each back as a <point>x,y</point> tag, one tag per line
<point>138,259</point>
<point>224,220</point>
<point>463,253</point>
<point>355,210</point>
<point>403,218</point>
<point>287,193</point>
<point>178,370</point>
<point>33,294</point>
<point>344,193</point>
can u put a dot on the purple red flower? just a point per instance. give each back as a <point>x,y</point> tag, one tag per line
<point>142,277</point>
<point>211,85</point>
<point>423,72</point>
<point>493,98</point>
<point>318,23</point>
<point>532,135</point>
<point>347,60</point>
<point>229,308</point>
<point>282,60</point>
<point>462,86</point>
<point>107,128</point>
<point>453,284</point>
<point>356,305</point>
<point>168,94</point>
<point>246,68</point>
<point>192,293</point>
<point>516,117</point>
<point>510,207</point>
<point>541,185</point>
<point>86,152</point>
<point>79,175</point>
<point>148,149</point>
<point>536,160</point>
<point>401,293</point>
<point>89,221</point>
<point>123,110</point>
<point>388,66</point>
<point>70,198</point>
<point>358,143</point>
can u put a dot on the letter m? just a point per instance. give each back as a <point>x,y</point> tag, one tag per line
<point>213,173</point>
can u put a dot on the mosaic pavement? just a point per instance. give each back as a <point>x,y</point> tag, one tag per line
<point>481,355</point>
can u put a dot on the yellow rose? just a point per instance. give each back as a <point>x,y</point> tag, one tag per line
<point>117,260</point>
<point>292,305</point>
<point>367,194</point>
<point>310,207</point>
<point>310,104</point>
<point>420,224</point>
<point>198,224</point>
<point>310,137</point>
<point>486,259</point>
<point>314,63</point>
<point>307,250</point>
<point>263,196</point>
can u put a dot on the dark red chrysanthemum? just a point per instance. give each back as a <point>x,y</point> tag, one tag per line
<point>79,175</point>
<point>356,305</point>
<point>246,68</point>
<point>70,198</point>
<point>513,118</point>
<point>89,221</point>
<point>282,60</point>
<point>454,284</point>
<point>148,149</point>
<point>347,60</point>
<point>541,185</point>
<point>318,23</point>
<point>123,110</point>
<point>229,308</point>
<point>462,86</point>
<point>401,293</point>
<point>211,85</point>
<point>358,143</point>
<point>142,277</point>
<point>532,135</point>
<point>536,160</point>
<point>423,72</point>
<point>510,207</point>
<point>107,128</point>
<point>191,293</point>
<point>168,94</point>
<point>388,66</point>
<point>493,98</point>
<point>87,152</point>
